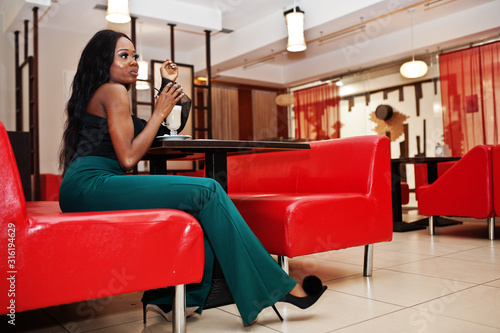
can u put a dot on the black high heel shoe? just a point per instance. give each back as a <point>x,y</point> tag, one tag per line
<point>313,287</point>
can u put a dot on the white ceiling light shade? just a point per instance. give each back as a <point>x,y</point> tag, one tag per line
<point>117,11</point>
<point>415,68</point>
<point>295,25</point>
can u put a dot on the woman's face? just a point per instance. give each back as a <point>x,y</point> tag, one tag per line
<point>124,68</point>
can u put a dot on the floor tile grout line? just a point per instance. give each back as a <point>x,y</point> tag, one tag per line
<point>434,277</point>
<point>368,298</point>
<point>447,316</point>
<point>44,310</point>
<point>445,256</point>
<point>369,319</point>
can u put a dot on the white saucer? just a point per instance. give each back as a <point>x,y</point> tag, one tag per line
<point>173,137</point>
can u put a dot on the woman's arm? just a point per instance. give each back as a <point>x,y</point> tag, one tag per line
<point>115,100</point>
<point>169,73</point>
<point>185,103</point>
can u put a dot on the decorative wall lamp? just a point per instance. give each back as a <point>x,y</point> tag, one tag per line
<point>117,11</point>
<point>414,68</point>
<point>295,26</point>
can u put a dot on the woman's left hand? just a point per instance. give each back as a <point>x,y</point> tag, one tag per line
<point>169,70</point>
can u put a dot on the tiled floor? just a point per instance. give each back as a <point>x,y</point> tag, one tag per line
<point>446,283</point>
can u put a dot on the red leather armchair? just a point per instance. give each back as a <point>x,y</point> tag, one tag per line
<point>421,174</point>
<point>495,159</point>
<point>51,258</point>
<point>334,196</point>
<point>464,190</point>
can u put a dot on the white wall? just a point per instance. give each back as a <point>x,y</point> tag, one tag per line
<point>59,55</point>
<point>357,121</point>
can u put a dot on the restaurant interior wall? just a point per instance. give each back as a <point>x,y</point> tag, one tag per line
<point>358,118</point>
<point>60,52</point>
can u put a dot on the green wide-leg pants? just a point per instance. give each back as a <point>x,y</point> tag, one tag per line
<point>256,281</point>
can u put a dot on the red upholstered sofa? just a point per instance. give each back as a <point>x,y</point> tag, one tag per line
<point>465,190</point>
<point>334,196</point>
<point>49,186</point>
<point>51,258</point>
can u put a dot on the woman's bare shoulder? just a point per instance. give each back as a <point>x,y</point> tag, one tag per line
<point>111,88</point>
<point>112,94</point>
<point>108,98</point>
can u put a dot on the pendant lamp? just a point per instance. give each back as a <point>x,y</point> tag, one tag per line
<point>415,68</point>
<point>295,26</point>
<point>118,11</point>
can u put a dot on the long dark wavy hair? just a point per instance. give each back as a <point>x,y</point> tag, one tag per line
<point>92,72</point>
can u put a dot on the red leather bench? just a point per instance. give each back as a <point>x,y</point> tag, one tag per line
<point>334,196</point>
<point>49,186</point>
<point>51,258</point>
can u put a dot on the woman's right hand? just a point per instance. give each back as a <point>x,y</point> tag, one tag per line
<point>166,100</point>
<point>169,70</point>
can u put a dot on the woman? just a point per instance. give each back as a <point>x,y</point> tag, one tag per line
<point>103,140</point>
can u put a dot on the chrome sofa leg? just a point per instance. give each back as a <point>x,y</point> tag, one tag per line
<point>431,225</point>
<point>283,262</point>
<point>179,309</point>
<point>368,260</point>
<point>491,228</point>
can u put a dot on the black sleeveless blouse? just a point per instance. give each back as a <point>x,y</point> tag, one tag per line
<point>96,141</point>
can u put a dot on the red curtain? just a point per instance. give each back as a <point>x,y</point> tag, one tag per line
<point>470,90</point>
<point>317,113</point>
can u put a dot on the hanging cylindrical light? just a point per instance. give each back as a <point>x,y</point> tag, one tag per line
<point>295,25</point>
<point>118,11</point>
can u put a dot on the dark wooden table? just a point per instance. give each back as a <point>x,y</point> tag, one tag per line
<point>397,210</point>
<point>215,153</point>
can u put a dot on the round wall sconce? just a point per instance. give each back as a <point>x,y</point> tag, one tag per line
<point>384,112</point>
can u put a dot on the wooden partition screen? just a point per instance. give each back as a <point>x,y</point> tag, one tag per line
<point>27,105</point>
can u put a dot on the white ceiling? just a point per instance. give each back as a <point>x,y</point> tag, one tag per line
<point>259,32</point>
